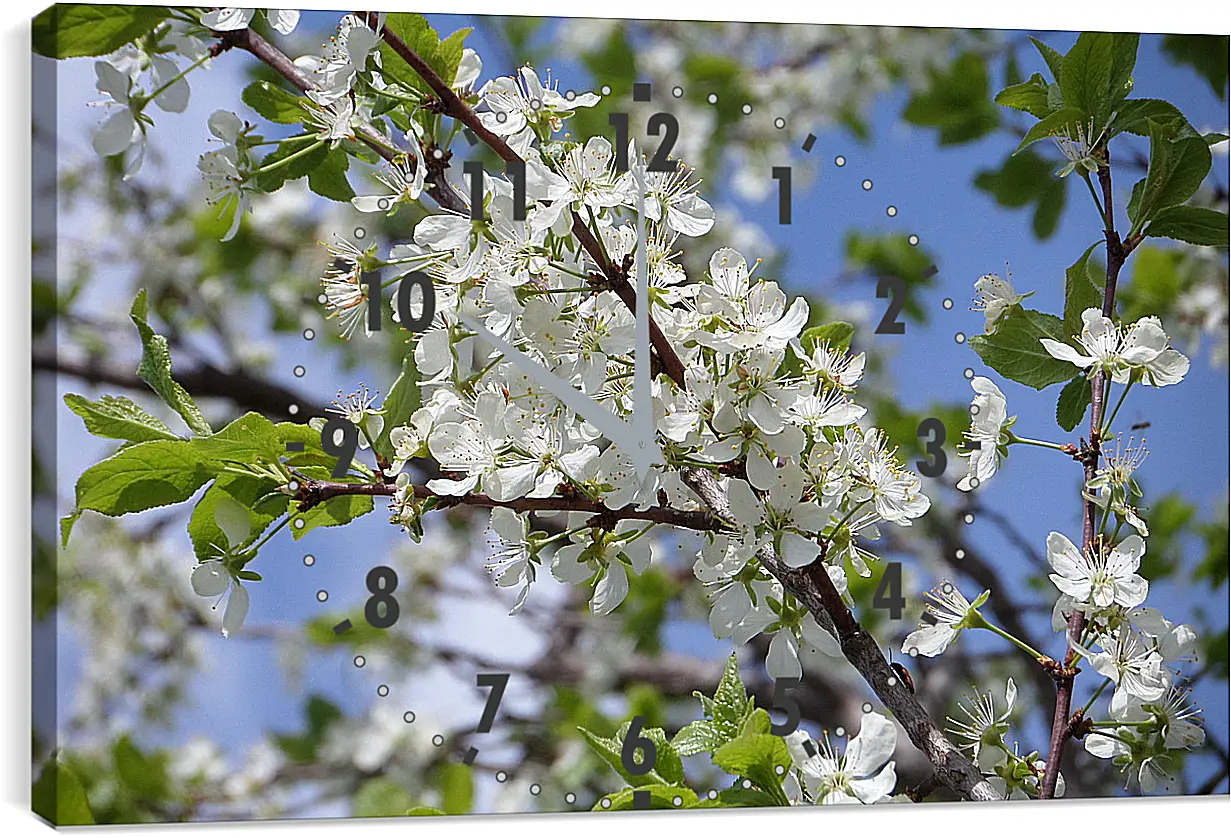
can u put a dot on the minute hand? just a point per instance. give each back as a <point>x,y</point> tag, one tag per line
<point>642,451</point>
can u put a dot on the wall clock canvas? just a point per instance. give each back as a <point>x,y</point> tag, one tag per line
<point>456,415</point>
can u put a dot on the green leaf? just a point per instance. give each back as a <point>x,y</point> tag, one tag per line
<point>405,397</point>
<point>760,757</point>
<point>441,56</point>
<point>731,698</point>
<point>1195,225</point>
<point>837,334</point>
<point>1155,283</point>
<point>1085,77</point>
<point>70,30</point>
<point>1123,60</point>
<point>332,513</point>
<point>1055,61</point>
<point>697,737</point>
<point>381,798</point>
<point>145,776</point>
<point>1135,115</point>
<point>155,370</point>
<point>1065,118</point>
<point>758,721</point>
<point>329,178</point>
<point>274,103</point>
<point>955,101</point>
<point>456,788</point>
<point>59,797</point>
<point>1047,213</point>
<point>661,797</point>
<point>1207,54</point>
<point>611,749</point>
<point>1083,289</point>
<point>250,440</point>
<point>1177,168</point>
<point>117,417</point>
<point>1029,96</point>
<point>66,526</point>
<point>306,157</point>
<point>419,811</point>
<point>252,493</point>
<point>739,797</point>
<point>142,476</point>
<point>1072,404</point>
<point>319,716</point>
<point>1014,351</point>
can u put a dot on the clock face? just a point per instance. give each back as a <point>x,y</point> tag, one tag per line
<point>676,386</point>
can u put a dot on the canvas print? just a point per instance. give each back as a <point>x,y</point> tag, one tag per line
<point>445,414</point>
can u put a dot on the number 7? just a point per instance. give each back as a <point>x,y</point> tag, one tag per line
<point>497,681</point>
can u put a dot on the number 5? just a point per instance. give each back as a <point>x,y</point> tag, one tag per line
<point>784,702</point>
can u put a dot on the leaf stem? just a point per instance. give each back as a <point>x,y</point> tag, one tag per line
<point>1094,697</point>
<point>1014,438</point>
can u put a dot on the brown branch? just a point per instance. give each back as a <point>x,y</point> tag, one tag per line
<point>313,492</point>
<point>204,381</point>
<point>812,587</point>
<point>1062,729</point>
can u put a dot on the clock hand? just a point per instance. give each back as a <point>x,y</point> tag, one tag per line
<point>620,432</point>
<point>643,401</point>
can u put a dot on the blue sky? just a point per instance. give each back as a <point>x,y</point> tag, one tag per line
<point>969,236</point>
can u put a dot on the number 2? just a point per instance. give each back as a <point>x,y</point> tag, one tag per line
<point>885,287</point>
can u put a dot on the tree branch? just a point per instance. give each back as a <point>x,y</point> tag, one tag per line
<point>1066,675</point>
<point>812,587</point>
<point>313,492</point>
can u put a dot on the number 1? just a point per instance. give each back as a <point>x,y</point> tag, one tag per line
<point>782,174</point>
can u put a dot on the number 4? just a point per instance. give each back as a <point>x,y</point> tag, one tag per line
<point>889,592</point>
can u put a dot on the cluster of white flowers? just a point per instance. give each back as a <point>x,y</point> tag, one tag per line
<point>768,413</point>
<point>1140,352</point>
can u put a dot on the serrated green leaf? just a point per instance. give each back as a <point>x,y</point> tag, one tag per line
<point>611,749</point>
<point>1177,168</point>
<point>1085,77</point>
<point>441,56</point>
<point>661,797</point>
<point>1195,225</point>
<point>329,178</point>
<point>274,103</point>
<point>155,370</point>
<point>1065,118</point>
<point>1014,351</point>
<point>381,798</point>
<point>72,30</point>
<point>59,797</point>
<point>117,417</point>
<point>1072,403</point>
<point>1083,289</point>
<point>760,757</point>
<point>757,721</point>
<point>250,440</point>
<point>142,476</point>
<point>697,737</point>
<point>1029,96</point>
<point>1055,61</point>
<point>332,513</point>
<point>1135,115</point>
